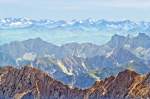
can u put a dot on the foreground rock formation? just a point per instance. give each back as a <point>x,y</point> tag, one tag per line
<point>31,83</point>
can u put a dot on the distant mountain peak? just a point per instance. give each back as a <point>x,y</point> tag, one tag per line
<point>142,39</point>
<point>116,41</point>
<point>36,39</point>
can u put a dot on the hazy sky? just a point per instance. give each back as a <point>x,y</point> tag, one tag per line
<point>138,10</point>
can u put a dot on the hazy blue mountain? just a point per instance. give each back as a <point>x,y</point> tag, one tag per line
<point>17,49</point>
<point>117,41</point>
<point>141,40</point>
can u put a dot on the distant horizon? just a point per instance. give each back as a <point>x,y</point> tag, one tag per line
<point>69,20</point>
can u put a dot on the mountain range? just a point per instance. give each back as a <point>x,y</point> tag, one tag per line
<point>61,32</point>
<point>32,83</point>
<point>81,25</point>
<point>80,64</point>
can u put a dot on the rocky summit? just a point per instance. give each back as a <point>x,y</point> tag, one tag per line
<point>31,83</point>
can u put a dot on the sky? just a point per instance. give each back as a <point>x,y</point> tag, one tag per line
<point>136,10</point>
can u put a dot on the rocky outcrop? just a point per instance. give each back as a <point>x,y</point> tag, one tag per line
<point>31,83</point>
<point>126,85</point>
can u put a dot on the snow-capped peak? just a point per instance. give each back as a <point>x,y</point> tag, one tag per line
<point>88,24</point>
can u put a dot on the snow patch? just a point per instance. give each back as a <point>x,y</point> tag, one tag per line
<point>109,54</point>
<point>63,68</point>
<point>29,56</point>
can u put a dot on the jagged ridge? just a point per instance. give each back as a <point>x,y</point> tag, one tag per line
<point>31,83</point>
